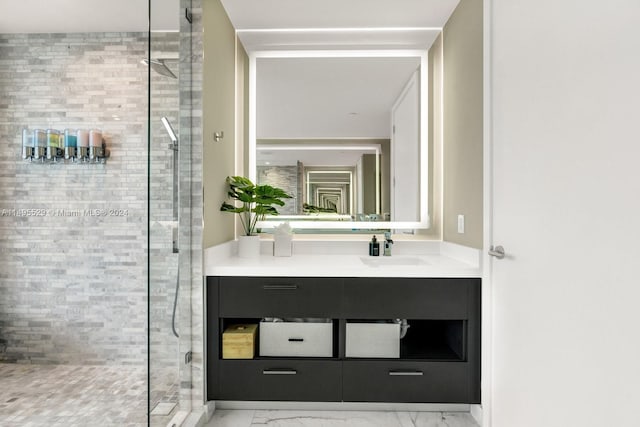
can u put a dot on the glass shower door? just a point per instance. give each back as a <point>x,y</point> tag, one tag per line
<point>169,229</point>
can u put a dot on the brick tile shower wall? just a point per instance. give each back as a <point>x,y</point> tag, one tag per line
<point>73,289</point>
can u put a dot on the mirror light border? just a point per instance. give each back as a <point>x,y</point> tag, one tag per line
<point>424,221</point>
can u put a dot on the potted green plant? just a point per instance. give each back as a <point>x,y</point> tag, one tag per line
<point>255,202</point>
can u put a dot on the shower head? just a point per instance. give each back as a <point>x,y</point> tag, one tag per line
<point>159,67</point>
<point>169,129</point>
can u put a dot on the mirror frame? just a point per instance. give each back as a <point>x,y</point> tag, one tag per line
<point>424,221</point>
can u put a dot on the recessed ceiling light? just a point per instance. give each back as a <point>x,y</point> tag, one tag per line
<point>353,113</point>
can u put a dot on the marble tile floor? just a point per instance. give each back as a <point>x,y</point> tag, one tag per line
<point>68,395</point>
<point>79,396</point>
<point>260,418</point>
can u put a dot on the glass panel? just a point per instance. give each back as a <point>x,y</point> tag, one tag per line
<point>169,238</point>
<point>73,231</point>
<point>164,311</point>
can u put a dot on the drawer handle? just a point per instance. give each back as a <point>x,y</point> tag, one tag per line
<point>279,372</point>
<point>296,339</point>
<point>406,373</point>
<point>280,287</point>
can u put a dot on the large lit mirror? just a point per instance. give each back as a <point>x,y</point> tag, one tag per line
<point>343,132</point>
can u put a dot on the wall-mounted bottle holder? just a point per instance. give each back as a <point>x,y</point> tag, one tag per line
<point>51,145</point>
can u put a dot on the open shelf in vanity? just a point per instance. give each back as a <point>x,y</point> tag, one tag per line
<point>439,358</point>
<point>434,340</point>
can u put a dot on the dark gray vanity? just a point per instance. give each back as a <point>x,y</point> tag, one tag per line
<point>439,356</point>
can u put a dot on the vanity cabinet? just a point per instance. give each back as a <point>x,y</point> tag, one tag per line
<point>439,356</point>
<point>279,297</point>
<point>294,379</point>
<point>403,381</point>
<point>382,298</point>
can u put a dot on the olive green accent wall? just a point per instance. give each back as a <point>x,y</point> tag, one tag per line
<point>463,130</point>
<point>218,110</point>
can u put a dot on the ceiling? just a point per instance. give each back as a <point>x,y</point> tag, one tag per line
<point>79,16</point>
<point>260,14</point>
<point>35,16</point>
<point>338,24</point>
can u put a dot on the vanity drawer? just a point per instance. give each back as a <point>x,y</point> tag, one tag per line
<point>396,381</point>
<point>296,339</point>
<point>298,380</point>
<point>388,298</point>
<point>381,340</point>
<point>300,297</point>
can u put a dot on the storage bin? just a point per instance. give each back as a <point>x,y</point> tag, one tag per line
<point>238,341</point>
<point>296,339</point>
<point>373,339</point>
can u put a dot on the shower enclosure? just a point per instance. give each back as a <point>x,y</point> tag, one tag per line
<point>96,253</point>
<point>170,234</point>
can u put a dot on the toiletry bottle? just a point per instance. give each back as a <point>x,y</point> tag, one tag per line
<point>374,247</point>
<point>388,244</point>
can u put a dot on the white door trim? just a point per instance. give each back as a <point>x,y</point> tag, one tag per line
<point>487,294</point>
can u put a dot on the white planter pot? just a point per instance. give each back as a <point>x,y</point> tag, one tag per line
<point>249,246</point>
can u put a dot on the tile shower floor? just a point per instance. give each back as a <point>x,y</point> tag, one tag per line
<point>258,418</point>
<point>66,395</point>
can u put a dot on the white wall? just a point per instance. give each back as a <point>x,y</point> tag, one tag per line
<point>219,110</point>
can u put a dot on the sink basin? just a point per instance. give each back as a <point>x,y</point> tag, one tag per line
<point>381,261</point>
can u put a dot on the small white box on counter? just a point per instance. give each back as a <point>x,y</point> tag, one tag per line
<point>296,339</point>
<point>282,240</point>
<point>282,246</point>
<point>373,340</point>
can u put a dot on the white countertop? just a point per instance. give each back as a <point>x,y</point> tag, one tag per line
<point>348,259</point>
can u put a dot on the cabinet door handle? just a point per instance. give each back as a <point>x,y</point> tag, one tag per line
<point>296,339</point>
<point>279,372</point>
<point>280,287</point>
<point>406,373</point>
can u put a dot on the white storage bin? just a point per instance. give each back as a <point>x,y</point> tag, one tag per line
<point>373,340</point>
<point>296,339</point>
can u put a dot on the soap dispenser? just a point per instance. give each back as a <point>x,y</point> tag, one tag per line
<point>374,247</point>
<point>388,244</point>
